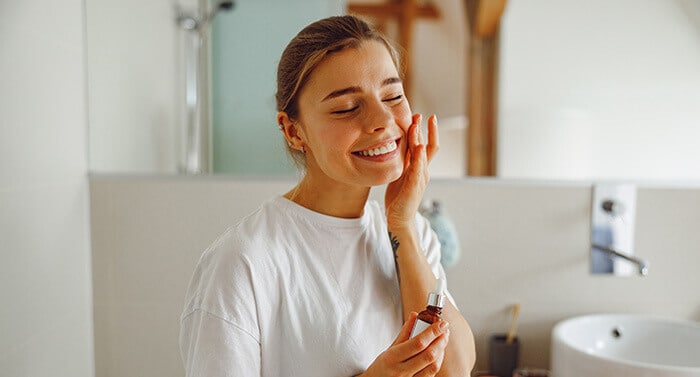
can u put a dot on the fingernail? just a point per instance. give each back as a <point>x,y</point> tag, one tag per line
<point>444,325</point>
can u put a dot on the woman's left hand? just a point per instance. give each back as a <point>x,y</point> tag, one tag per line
<point>403,196</point>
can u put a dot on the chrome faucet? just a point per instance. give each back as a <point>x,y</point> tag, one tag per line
<point>641,264</point>
<point>613,213</point>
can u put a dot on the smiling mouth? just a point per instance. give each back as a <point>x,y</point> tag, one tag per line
<point>378,151</point>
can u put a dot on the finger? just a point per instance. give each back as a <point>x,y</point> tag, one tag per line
<point>429,361</point>
<point>419,159</point>
<point>433,137</point>
<point>420,342</point>
<point>413,143</point>
<point>419,130</point>
<point>405,331</point>
<point>417,148</point>
<point>407,158</point>
<point>415,130</point>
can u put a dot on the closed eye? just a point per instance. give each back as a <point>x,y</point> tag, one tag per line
<point>346,111</point>
<point>393,99</point>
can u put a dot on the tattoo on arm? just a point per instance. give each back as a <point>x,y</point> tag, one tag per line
<point>394,243</point>
<point>395,247</point>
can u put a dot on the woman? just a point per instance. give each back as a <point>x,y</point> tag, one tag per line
<point>321,281</point>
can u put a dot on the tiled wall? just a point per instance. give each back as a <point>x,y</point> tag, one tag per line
<point>524,242</point>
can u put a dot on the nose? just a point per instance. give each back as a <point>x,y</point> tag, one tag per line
<point>378,118</point>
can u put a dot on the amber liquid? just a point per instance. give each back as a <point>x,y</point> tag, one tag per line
<point>431,314</point>
<point>427,317</point>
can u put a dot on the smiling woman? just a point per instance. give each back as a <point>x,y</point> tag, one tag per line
<point>356,110</point>
<point>276,296</point>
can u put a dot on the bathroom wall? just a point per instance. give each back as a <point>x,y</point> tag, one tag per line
<point>599,89</point>
<point>45,287</point>
<point>523,242</point>
<point>135,84</point>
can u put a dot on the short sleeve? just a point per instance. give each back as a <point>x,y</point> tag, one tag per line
<point>219,334</point>
<point>213,347</point>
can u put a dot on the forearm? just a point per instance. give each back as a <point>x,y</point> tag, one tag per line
<point>416,280</point>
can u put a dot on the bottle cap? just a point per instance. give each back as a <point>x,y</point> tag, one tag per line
<point>437,297</point>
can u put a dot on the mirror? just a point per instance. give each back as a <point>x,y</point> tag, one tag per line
<point>587,89</point>
<point>600,90</point>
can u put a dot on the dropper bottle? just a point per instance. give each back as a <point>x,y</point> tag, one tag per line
<point>431,314</point>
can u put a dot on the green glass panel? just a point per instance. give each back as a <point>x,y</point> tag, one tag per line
<point>246,46</point>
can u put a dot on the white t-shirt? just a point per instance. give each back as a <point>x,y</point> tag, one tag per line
<point>292,292</point>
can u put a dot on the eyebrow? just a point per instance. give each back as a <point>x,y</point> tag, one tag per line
<point>355,89</point>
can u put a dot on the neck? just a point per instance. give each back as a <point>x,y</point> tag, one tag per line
<point>330,199</point>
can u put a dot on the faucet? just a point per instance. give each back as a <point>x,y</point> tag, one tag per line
<point>641,264</point>
<point>612,230</point>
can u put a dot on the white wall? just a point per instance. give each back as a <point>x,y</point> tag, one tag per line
<point>143,262</point>
<point>45,288</point>
<point>599,90</point>
<point>522,242</point>
<point>136,85</point>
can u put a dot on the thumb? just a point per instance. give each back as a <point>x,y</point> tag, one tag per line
<point>405,331</point>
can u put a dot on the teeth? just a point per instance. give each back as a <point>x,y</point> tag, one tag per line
<point>379,151</point>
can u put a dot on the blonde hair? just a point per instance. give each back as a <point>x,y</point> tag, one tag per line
<point>308,48</point>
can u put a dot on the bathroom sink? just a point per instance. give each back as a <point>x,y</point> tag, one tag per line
<point>625,345</point>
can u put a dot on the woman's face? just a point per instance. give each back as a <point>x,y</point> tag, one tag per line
<point>354,118</point>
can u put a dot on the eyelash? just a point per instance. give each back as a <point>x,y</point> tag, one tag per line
<point>400,96</point>
<point>341,112</point>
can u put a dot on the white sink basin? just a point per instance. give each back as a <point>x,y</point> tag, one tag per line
<point>625,345</point>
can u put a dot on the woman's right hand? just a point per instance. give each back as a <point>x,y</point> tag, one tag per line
<point>419,356</point>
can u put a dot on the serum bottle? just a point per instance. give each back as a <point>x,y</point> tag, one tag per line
<point>431,314</point>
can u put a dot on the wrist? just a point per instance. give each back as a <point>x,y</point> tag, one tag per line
<point>401,226</point>
<point>406,235</point>
<point>403,237</point>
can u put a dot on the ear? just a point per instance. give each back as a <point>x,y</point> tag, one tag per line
<point>291,130</point>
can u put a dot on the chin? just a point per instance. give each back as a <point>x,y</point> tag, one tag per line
<point>390,177</point>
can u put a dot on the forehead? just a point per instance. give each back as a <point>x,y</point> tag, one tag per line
<point>366,65</point>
